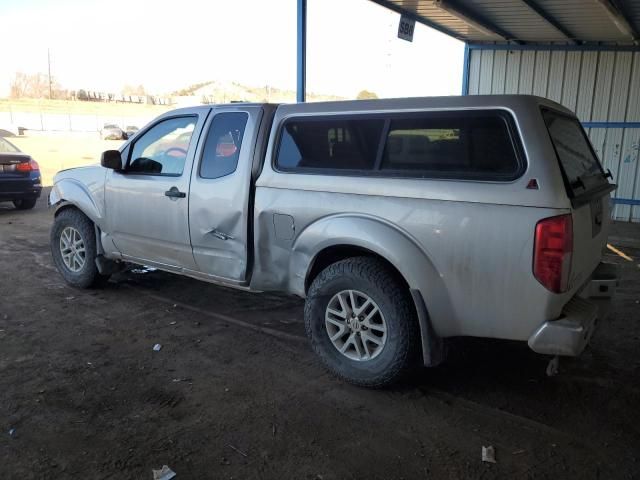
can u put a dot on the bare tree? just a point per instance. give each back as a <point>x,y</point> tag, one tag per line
<point>35,85</point>
<point>19,85</point>
<point>134,90</point>
<point>366,95</point>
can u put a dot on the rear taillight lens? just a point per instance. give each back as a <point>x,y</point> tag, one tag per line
<point>552,251</point>
<point>29,166</point>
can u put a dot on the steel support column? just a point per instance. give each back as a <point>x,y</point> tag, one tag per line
<point>465,70</point>
<point>301,92</point>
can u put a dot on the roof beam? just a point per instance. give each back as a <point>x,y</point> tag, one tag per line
<point>585,47</point>
<point>533,5</point>
<point>418,18</point>
<point>474,21</point>
<point>620,20</point>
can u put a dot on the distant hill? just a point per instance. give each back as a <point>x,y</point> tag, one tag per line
<point>225,92</point>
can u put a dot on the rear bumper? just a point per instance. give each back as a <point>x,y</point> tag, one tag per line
<point>570,334</point>
<point>33,192</point>
<point>20,188</point>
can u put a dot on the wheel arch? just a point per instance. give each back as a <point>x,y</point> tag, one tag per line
<point>333,239</point>
<point>68,193</point>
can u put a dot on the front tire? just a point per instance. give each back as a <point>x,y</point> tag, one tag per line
<point>25,203</point>
<point>73,247</point>
<point>361,322</point>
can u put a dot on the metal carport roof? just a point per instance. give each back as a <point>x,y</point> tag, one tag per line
<point>566,24</point>
<point>528,21</point>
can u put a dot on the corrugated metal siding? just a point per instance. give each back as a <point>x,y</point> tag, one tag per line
<point>512,78</point>
<point>499,71</point>
<point>526,72</point>
<point>632,146</point>
<point>599,86</point>
<point>556,76</point>
<point>573,64</point>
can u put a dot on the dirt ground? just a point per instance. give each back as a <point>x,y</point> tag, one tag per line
<point>235,392</point>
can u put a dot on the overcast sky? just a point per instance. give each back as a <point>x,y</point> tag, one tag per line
<point>166,45</point>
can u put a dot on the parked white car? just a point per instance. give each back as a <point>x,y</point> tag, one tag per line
<point>11,130</point>
<point>111,131</point>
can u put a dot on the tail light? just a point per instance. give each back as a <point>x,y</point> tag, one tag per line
<point>552,251</point>
<point>29,166</point>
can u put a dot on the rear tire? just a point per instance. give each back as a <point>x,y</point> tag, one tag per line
<point>25,203</point>
<point>73,248</point>
<point>387,340</point>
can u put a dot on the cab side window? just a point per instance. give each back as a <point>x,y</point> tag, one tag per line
<point>222,147</point>
<point>162,150</point>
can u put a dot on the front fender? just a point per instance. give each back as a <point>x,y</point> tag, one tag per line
<point>376,235</point>
<point>69,191</point>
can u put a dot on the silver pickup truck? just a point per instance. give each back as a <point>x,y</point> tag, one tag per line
<point>401,222</point>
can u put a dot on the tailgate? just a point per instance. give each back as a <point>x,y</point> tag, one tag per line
<point>588,188</point>
<point>590,231</point>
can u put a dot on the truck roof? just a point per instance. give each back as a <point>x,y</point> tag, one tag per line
<point>512,102</point>
<point>206,108</point>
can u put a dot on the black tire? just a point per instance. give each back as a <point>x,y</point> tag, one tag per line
<point>88,276</point>
<point>25,203</point>
<point>373,278</point>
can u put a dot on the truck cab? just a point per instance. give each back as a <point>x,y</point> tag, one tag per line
<point>178,195</point>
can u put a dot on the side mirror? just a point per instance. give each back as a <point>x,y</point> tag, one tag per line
<point>111,159</point>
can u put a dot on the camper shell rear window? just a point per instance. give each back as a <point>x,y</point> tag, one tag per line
<point>581,170</point>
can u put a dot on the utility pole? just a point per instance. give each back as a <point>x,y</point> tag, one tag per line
<point>49,68</point>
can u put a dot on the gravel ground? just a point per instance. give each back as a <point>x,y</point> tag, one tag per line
<point>235,391</point>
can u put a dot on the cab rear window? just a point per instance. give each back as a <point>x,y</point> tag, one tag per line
<point>580,166</point>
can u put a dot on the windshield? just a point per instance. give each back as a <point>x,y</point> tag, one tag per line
<point>581,167</point>
<point>7,147</point>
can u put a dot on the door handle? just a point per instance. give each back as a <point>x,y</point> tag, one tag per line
<point>173,192</point>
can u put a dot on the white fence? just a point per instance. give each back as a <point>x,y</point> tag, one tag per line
<point>70,122</point>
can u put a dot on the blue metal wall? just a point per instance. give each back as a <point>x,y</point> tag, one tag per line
<point>601,84</point>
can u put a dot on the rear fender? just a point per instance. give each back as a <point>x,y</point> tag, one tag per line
<point>382,238</point>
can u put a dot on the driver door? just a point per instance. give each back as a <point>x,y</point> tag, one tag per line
<point>147,202</point>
